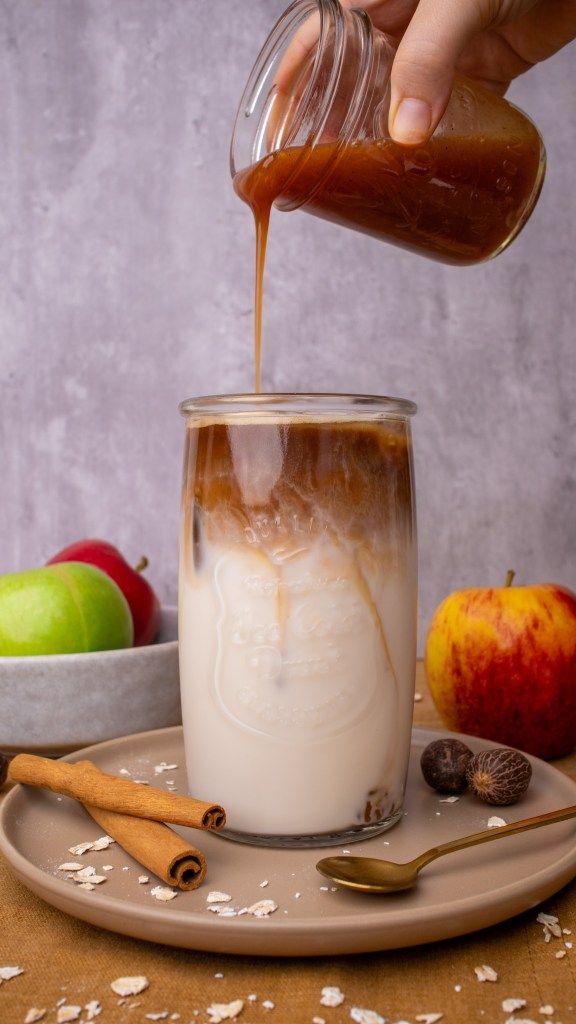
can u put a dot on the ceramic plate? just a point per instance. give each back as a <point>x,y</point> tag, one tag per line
<point>457,894</point>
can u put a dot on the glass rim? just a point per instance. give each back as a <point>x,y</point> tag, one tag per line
<point>298,404</point>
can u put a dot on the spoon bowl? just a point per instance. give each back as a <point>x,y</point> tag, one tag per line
<point>369,874</point>
<point>373,875</point>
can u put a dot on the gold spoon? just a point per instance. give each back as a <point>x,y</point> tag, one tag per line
<point>371,874</point>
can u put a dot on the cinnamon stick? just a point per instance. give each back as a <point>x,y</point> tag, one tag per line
<point>155,846</point>
<point>85,782</point>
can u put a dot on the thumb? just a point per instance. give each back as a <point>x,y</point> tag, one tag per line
<point>423,69</point>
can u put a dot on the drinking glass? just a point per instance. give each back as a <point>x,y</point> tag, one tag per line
<point>297,613</point>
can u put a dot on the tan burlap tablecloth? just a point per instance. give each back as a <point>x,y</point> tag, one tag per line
<point>66,958</point>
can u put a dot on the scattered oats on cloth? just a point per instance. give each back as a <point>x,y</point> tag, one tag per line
<point>332,996</point>
<point>157,1016</point>
<point>93,1009</point>
<point>131,985</point>
<point>429,1018</point>
<point>361,1016</point>
<point>550,923</point>
<point>268,1004</point>
<point>6,973</point>
<point>318,1020</point>
<point>546,1010</point>
<point>520,1020</point>
<point>510,1005</point>
<point>485,973</point>
<point>224,1011</point>
<point>67,1013</point>
<point>34,1015</point>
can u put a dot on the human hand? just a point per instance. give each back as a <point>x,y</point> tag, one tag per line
<point>492,41</point>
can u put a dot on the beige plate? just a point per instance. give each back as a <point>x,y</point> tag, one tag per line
<point>458,894</point>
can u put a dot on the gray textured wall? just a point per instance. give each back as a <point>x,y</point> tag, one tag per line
<point>126,285</point>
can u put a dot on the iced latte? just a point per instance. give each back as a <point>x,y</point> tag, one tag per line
<point>297,611</point>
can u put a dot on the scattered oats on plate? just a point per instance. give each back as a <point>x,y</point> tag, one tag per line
<point>80,848</point>
<point>103,843</point>
<point>161,893</point>
<point>262,908</point>
<point>143,879</point>
<point>218,897</point>
<point>84,874</point>
<point>70,865</point>
<point>163,767</point>
<point>495,822</point>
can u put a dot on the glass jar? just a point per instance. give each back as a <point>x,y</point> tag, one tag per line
<point>297,613</point>
<point>312,133</point>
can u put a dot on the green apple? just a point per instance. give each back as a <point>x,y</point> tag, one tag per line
<point>66,608</point>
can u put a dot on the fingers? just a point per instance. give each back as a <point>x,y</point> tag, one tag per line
<point>423,68</point>
<point>301,45</point>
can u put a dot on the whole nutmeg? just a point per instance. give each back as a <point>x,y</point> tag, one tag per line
<point>444,763</point>
<point>4,762</point>
<point>499,776</point>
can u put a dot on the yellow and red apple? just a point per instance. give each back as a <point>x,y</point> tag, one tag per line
<point>501,663</point>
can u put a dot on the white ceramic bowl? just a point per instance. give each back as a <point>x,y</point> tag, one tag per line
<point>55,703</point>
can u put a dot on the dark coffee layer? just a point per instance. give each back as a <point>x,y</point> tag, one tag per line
<point>261,482</point>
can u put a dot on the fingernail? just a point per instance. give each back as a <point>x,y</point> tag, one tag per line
<point>412,121</point>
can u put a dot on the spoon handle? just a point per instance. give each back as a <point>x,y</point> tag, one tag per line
<point>496,833</point>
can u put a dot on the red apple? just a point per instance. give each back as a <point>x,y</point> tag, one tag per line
<point>142,600</point>
<point>501,663</point>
